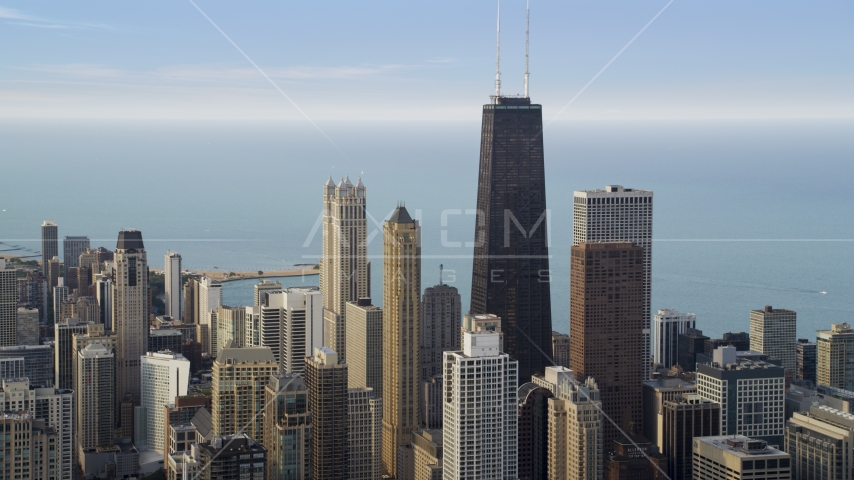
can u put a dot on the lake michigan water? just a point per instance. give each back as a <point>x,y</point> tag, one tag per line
<point>747,213</point>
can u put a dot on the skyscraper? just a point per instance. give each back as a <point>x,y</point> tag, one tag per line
<point>365,419</point>
<point>130,312</point>
<point>72,247</point>
<point>291,325</point>
<point>189,314</point>
<point>344,269</point>
<point>774,333</point>
<point>575,432</point>
<point>821,442</point>
<point>240,376</point>
<point>50,243</point>
<point>28,450</point>
<point>401,302</point>
<point>533,431</point>
<point>264,286</point>
<point>667,326</point>
<point>605,323</point>
<point>806,354</point>
<point>64,358</point>
<point>96,401</point>
<point>209,298</point>
<point>618,214</point>
<point>8,305</point>
<point>477,405</point>
<point>230,327</point>
<point>165,376</point>
<point>687,417</point>
<point>560,349</point>
<point>510,270</point>
<point>328,402</point>
<point>172,284</point>
<point>836,356</point>
<point>441,318</point>
<point>365,345</point>
<point>287,427</point>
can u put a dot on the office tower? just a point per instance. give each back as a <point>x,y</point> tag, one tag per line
<point>740,340</point>
<point>252,326</point>
<point>192,351</point>
<point>94,259</point>
<point>27,330</point>
<point>687,417</point>
<point>84,281</point>
<point>365,417</point>
<point>230,326</point>
<point>477,405</point>
<point>239,378</point>
<point>262,287</point>
<point>85,309</point>
<point>38,362</point>
<point>427,453</point>
<point>655,394</point>
<point>560,349</point>
<point>160,339</point>
<point>365,345</point>
<point>53,406</point>
<point>8,304</point>
<point>186,413</point>
<point>96,402</point>
<point>619,214</point>
<point>691,343</point>
<point>773,332</point>
<point>229,456</point>
<point>130,313</point>
<point>60,295</point>
<point>738,457</point>
<point>432,410</point>
<point>328,401</point>
<point>189,314</point>
<point>209,298</point>
<point>64,359</point>
<point>291,325</point>
<point>94,334</point>
<point>50,244</point>
<point>533,434</point>
<point>344,269</point>
<point>751,394</point>
<point>574,436</point>
<point>172,283</point>
<point>806,356</point>
<point>32,291</point>
<point>821,444</point>
<point>104,294</point>
<point>287,427</point>
<point>164,377</point>
<point>606,323</point>
<point>667,325</point>
<point>441,316</point>
<point>72,247</point>
<point>27,449</point>
<point>835,348</point>
<point>54,271</point>
<point>401,304</point>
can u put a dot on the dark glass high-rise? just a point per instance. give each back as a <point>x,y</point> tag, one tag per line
<point>510,274</point>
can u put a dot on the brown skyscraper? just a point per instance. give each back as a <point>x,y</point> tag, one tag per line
<point>606,321</point>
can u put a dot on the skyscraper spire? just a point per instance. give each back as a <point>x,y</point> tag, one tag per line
<point>527,24</point>
<point>498,53</point>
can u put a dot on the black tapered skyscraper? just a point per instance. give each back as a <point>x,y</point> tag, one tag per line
<point>510,274</point>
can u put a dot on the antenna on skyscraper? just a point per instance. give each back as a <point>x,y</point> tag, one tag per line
<point>440,273</point>
<point>498,53</point>
<point>527,24</point>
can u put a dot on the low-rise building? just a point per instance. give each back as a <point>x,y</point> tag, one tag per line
<point>736,457</point>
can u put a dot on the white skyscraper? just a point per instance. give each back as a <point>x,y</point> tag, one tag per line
<point>480,425</point>
<point>96,407</point>
<point>164,376</point>
<point>667,325</point>
<point>60,295</point>
<point>619,214</point>
<point>130,312</point>
<point>8,304</point>
<point>365,344</point>
<point>172,284</point>
<point>210,298</point>
<point>774,333</point>
<point>344,269</point>
<point>292,325</point>
<point>366,425</point>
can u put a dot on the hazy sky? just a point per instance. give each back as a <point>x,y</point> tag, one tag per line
<point>431,60</point>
